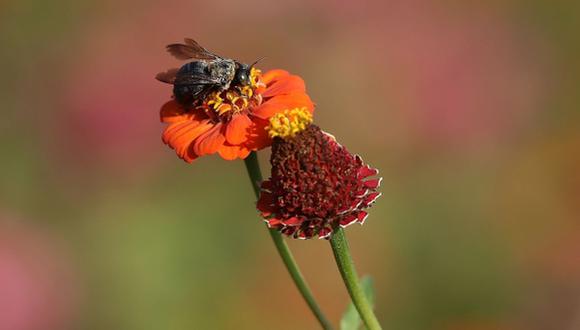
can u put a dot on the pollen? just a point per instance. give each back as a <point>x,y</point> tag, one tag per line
<point>247,90</point>
<point>255,78</point>
<point>289,123</point>
<point>223,108</point>
<point>215,100</point>
<point>236,99</point>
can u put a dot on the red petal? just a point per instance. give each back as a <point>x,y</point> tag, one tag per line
<point>286,85</point>
<point>236,129</point>
<point>264,204</point>
<point>348,220</point>
<point>289,230</point>
<point>373,184</point>
<point>294,221</point>
<point>361,217</point>
<point>307,233</point>
<point>324,232</point>
<point>364,172</point>
<point>370,198</point>
<point>267,185</point>
<point>355,204</point>
<point>282,102</point>
<point>361,192</point>
<point>210,141</point>
<point>274,223</point>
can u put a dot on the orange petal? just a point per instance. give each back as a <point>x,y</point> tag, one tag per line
<point>231,152</point>
<point>172,112</point>
<point>286,85</point>
<point>182,143</point>
<point>180,136</point>
<point>210,141</point>
<point>189,155</point>
<point>176,126</point>
<point>243,153</point>
<point>272,75</point>
<point>259,138</point>
<point>228,152</point>
<point>280,103</point>
<point>174,129</point>
<point>236,129</point>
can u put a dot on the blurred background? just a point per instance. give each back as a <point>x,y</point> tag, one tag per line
<point>470,110</point>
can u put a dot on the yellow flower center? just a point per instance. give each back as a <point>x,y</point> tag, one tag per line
<point>289,123</point>
<point>236,99</point>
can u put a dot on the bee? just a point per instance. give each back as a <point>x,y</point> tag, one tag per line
<point>207,73</point>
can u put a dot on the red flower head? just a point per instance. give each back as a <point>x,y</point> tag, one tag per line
<point>232,123</point>
<point>316,185</point>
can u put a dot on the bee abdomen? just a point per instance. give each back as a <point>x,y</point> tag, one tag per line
<point>195,67</point>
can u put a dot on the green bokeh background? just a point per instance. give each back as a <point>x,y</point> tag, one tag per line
<point>470,111</point>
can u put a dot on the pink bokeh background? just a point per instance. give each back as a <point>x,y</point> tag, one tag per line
<point>469,110</point>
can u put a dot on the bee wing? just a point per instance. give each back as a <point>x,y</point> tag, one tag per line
<point>191,49</point>
<point>167,76</point>
<point>195,79</point>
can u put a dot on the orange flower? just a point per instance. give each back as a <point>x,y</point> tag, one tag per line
<point>233,122</point>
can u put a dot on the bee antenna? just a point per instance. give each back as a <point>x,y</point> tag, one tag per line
<point>256,62</point>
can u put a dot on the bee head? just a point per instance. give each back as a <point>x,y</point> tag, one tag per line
<point>242,77</point>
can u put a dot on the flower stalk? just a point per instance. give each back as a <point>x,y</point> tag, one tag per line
<point>255,175</point>
<point>347,270</point>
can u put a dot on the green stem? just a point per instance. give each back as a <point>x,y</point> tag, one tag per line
<point>255,174</point>
<point>348,272</point>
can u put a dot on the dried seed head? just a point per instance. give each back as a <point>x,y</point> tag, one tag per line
<point>315,185</point>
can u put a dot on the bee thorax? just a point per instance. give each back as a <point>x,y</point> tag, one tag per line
<point>224,71</point>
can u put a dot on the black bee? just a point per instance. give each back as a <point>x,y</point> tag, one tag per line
<point>206,74</point>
